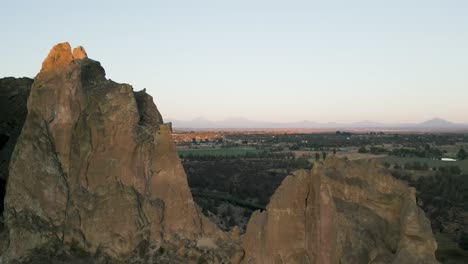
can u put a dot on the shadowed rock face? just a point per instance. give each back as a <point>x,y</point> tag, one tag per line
<point>340,212</point>
<point>13,97</point>
<point>95,167</point>
<point>95,178</point>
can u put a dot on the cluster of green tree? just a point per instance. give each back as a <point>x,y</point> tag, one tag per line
<point>439,195</point>
<point>449,170</point>
<point>416,165</point>
<point>376,133</point>
<point>373,150</point>
<point>462,154</point>
<point>426,152</point>
<point>422,166</point>
<point>346,139</point>
<point>443,190</point>
<point>228,144</point>
<point>247,155</point>
<point>343,133</point>
<point>243,179</point>
<point>226,213</point>
<point>323,155</point>
<point>295,147</point>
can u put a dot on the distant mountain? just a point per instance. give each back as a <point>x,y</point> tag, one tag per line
<point>435,124</point>
<point>438,122</point>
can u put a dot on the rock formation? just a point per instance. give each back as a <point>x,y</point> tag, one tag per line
<point>95,178</point>
<point>340,212</point>
<point>95,168</point>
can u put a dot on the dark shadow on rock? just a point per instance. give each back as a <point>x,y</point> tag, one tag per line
<point>2,194</point>
<point>3,140</point>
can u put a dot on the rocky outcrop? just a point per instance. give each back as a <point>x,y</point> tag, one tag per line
<point>340,212</point>
<point>95,169</point>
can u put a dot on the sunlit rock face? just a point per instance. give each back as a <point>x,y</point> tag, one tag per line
<point>340,212</point>
<point>94,168</point>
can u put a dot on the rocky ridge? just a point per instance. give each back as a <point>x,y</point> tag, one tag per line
<point>95,178</point>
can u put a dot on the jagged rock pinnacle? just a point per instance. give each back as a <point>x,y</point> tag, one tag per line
<point>61,55</point>
<point>79,53</point>
<point>96,166</point>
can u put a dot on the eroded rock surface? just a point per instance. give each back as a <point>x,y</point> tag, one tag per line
<point>95,169</point>
<point>347,212</point>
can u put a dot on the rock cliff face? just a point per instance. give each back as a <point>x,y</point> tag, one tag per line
<point>95,168</point>
<point>340,212</point>
<point>95,178</point>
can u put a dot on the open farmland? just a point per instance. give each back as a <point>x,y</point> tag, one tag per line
<point>217,152</point>
<point>432,163</point>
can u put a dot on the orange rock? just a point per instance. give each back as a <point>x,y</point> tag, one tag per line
<point>79,53</point>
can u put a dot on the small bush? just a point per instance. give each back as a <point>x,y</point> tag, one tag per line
<point>161,251</point>
<point>201,260</point>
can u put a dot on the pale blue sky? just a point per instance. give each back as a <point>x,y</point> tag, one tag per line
<point>328,61</point>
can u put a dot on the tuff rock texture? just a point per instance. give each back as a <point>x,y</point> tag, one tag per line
<point>95,170</point>
<point>340,212</point>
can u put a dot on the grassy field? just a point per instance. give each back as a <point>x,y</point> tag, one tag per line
<point>431,163</point>
<point>217,152</point>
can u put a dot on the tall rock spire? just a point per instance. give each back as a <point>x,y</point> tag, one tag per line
<point>95,167</point>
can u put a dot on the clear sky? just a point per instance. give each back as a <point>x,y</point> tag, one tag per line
<point>328,61</point>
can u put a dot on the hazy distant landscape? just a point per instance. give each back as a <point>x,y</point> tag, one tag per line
<point>435,124</point>
<point>233,173</point>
